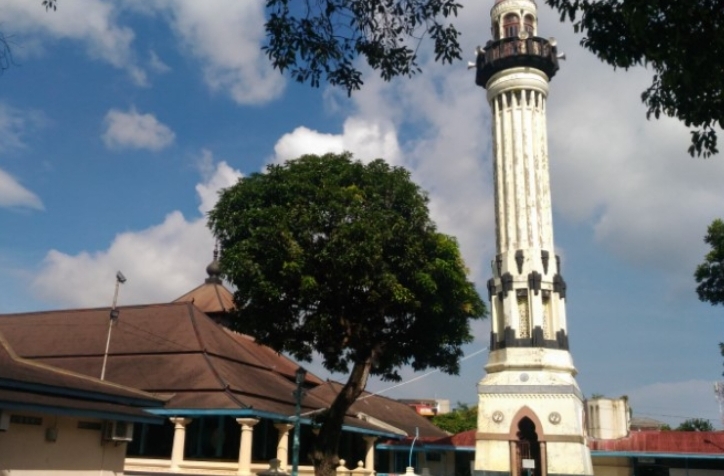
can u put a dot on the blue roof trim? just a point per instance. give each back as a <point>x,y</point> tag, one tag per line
<point>233,412</point>
<point>638,454</point>
<point>425,448</point>
<point>364,431</point>
<point>79,412</point>
<point>84,394</point>
<point>251,413</point>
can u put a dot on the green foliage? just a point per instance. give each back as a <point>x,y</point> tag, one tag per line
<point>320,39</point>
<point>462,418</point>
<point>332,256</point>
<point>710,273</point>
<point>665,427</point>
<point>681,42</point>
<point>695,424</point>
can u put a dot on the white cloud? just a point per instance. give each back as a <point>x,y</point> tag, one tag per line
<point>647,201</point>
<point>366,139</point>
<point>133,130</point>
<point>92,22</point>
<point>225,37</point>
<point>156,64</point>
<point>161,262</point>
<point>11,128</point>
<point>216,178</point>
<point>12,194</point>
<point>15,123</point>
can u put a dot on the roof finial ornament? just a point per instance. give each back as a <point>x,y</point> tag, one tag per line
<point>214,268</point>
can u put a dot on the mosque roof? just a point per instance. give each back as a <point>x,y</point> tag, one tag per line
<point>28,385</point>
<point>163,348</point>
<point>212,297</point>
<point>177,350</point>
<point>397,415</point>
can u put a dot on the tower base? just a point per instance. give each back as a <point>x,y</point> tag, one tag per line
<point>531,422</point>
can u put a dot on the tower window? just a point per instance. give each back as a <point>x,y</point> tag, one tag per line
<point>529,24</point>
<point>496,31</point>
<point>523,316</point>
<point>511,25</point>
<point>547,324</point>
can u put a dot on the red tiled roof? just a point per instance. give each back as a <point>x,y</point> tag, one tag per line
<point>671,442</point>
<point>463,439</point>
<point>698,442</point>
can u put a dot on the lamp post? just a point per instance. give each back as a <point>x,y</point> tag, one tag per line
<point>120,279</point>
<point>300,376</point>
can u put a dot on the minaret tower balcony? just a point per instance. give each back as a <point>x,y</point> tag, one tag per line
<point>516,52</point>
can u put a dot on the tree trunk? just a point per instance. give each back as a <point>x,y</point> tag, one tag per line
<point>324,451</point>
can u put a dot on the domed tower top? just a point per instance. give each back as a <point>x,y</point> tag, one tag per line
<point>511,17</point>
<point>515,42</point>
<point>212,297</point>
<point>214,269</point>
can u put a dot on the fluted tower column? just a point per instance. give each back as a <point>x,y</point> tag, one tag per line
<point>530,407</point>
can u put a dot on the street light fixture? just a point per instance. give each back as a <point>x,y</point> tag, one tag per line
<point>300,375</point>
<point>120,279</point>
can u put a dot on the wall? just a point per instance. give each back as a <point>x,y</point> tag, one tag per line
<point>612,466</point>
<point>694,472</point>
<point>607,418</point>
<point>25,451</point>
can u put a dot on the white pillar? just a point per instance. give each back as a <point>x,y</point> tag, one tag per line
<point>179,440</point>
<point>283,444</point>
<point>247,429</point>
<point>370,453</point>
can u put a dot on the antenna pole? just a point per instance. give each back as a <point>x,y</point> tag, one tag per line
<point>120,279</point>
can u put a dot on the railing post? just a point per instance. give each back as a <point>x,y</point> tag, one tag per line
<point>247,429</point>
<point>283,444</point>
<point>179,440</point>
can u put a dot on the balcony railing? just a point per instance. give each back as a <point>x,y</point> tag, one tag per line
<point>533,52</point>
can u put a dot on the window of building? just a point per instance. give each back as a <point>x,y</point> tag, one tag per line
<point>151,441</point>
<point>511,25</point>
<point>529,24</point>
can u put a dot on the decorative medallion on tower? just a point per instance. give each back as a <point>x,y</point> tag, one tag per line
<point>537,427</point>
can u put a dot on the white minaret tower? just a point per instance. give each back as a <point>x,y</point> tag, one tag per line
<point>531,412</point>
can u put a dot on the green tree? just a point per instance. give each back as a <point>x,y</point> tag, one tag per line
<point>320,39</point>
<point>710,274</point>
<point>695,424</point>
<point>462,418</point>
<point>335,257</point>
<point>681,42</point>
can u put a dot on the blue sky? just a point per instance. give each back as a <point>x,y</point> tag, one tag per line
<point>121,120</point>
